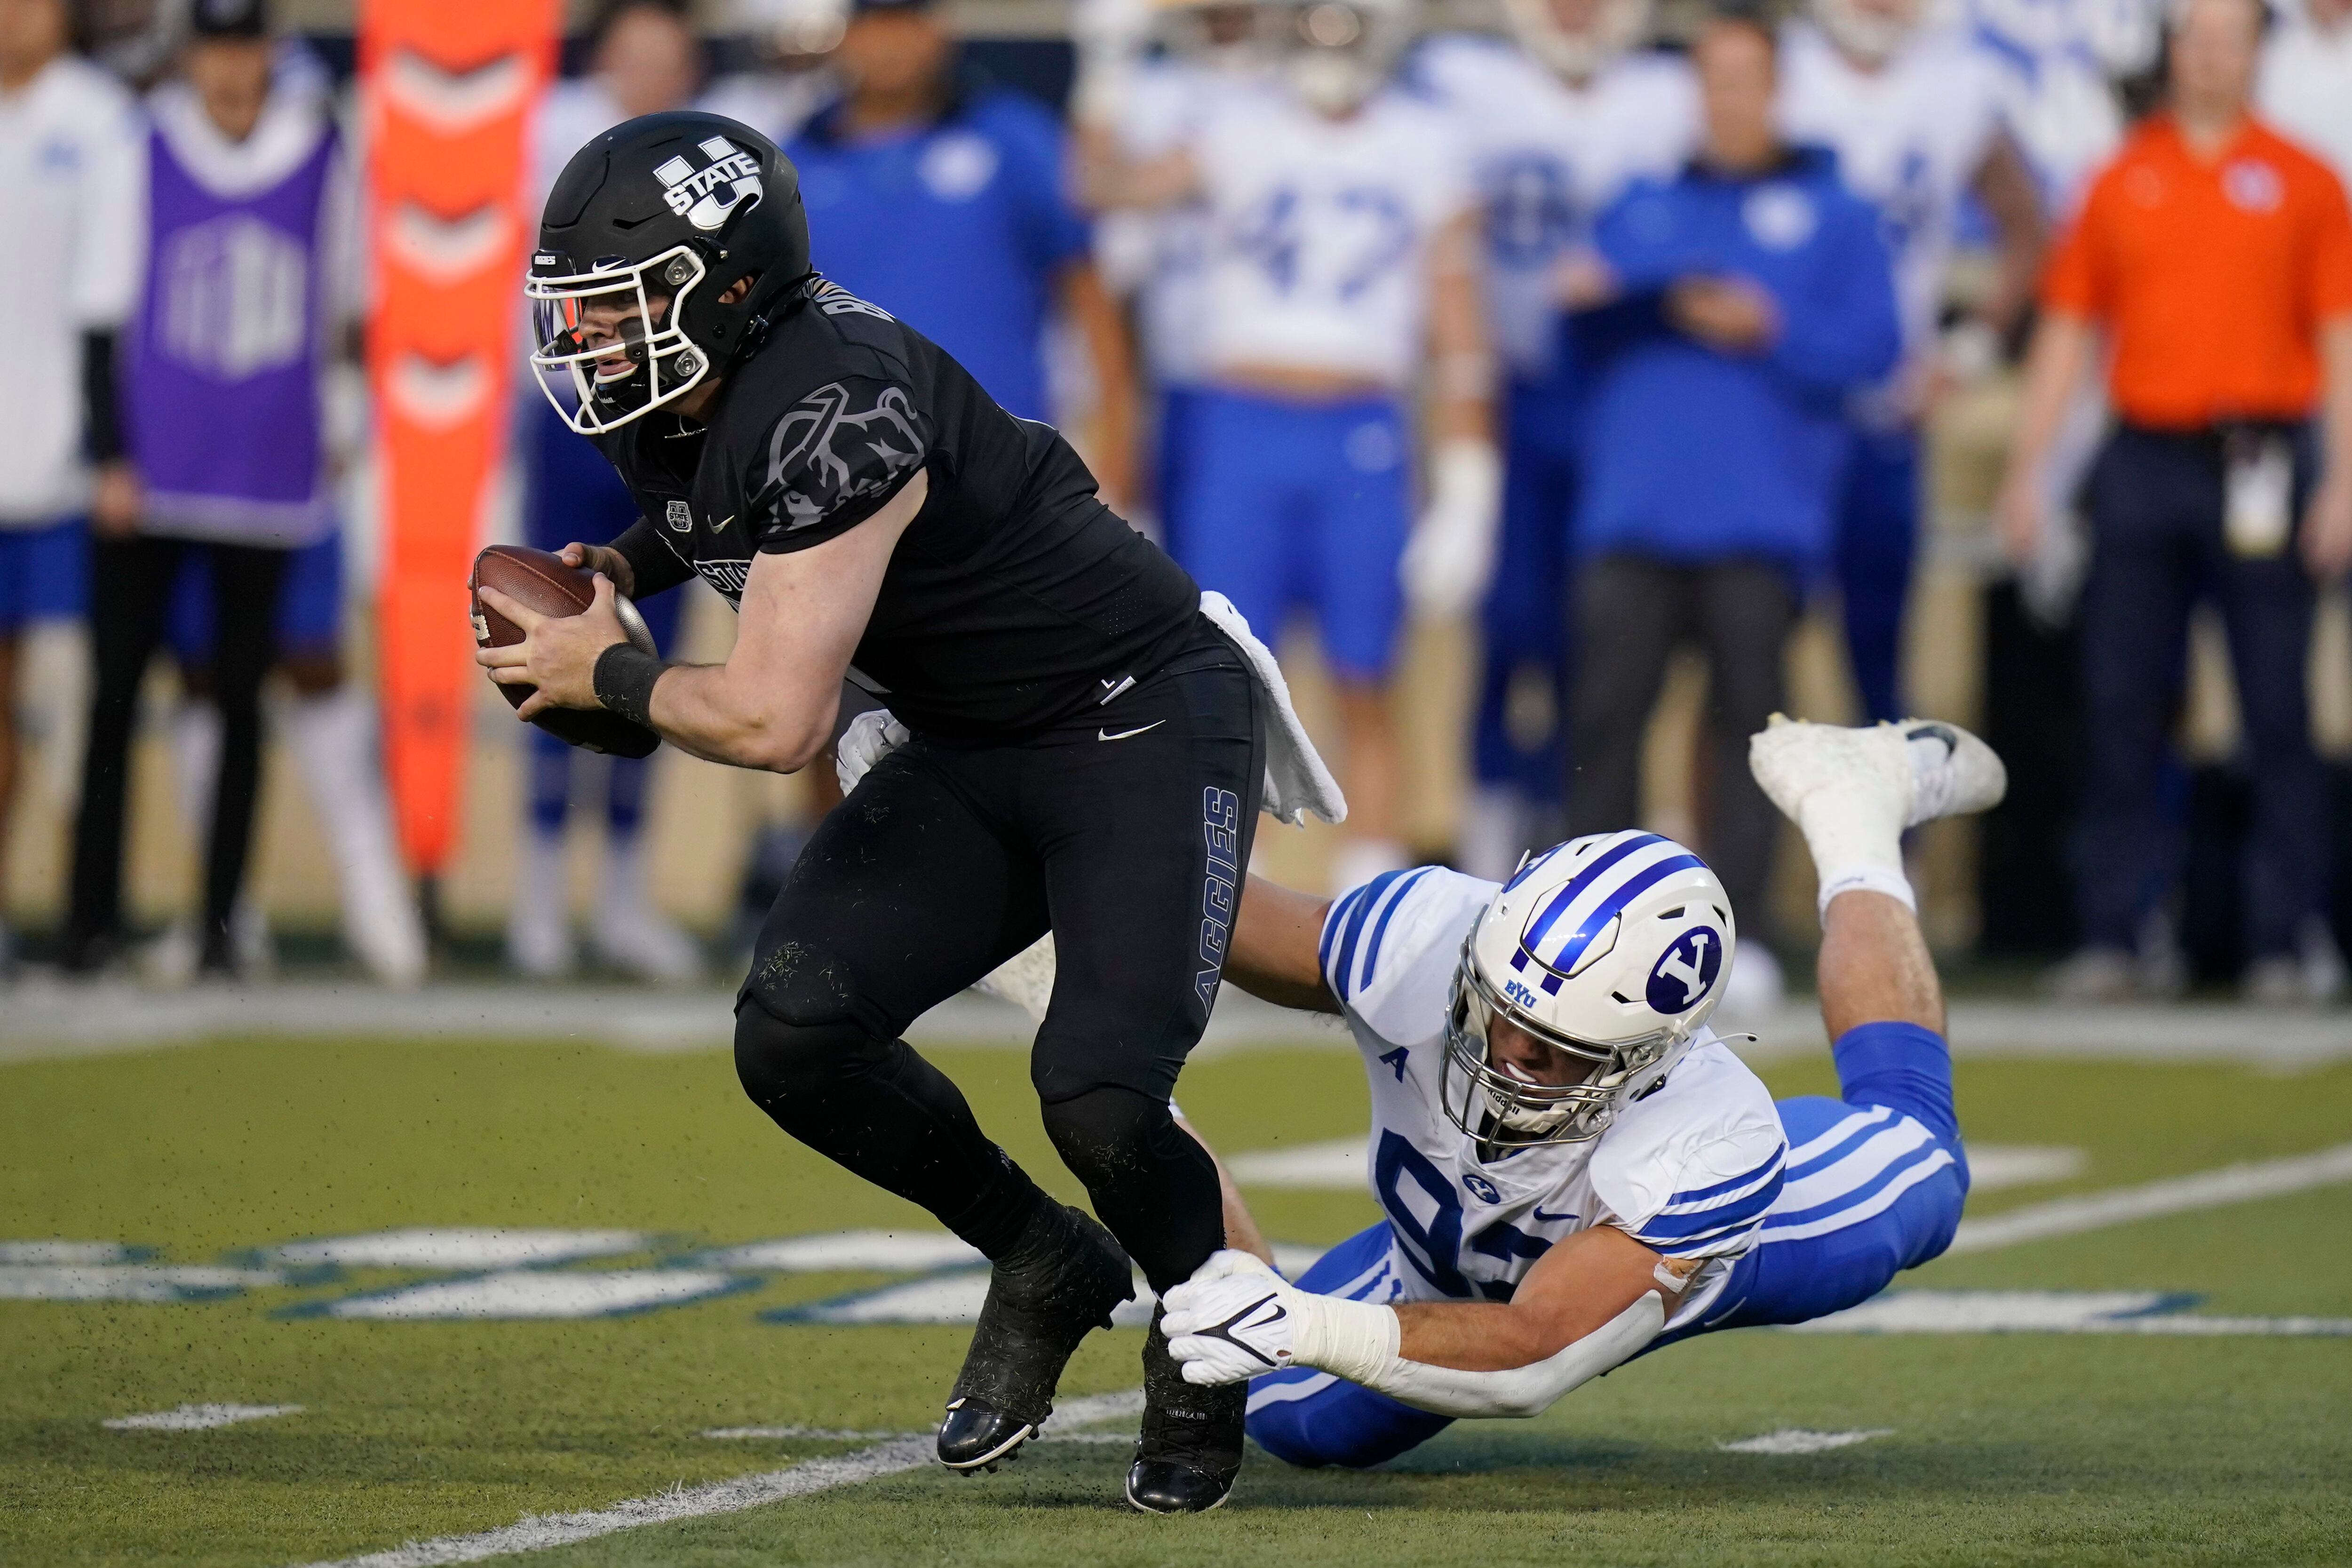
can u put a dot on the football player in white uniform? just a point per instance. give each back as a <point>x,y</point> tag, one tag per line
<point>1340,272</point>
<point>1133,104</point>
<point>1557,124</point>
<point>1914,114</point>
<point>1574,1169</point>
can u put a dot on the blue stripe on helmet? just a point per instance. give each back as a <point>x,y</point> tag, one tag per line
<point>1613,906</point>
<point>1578,884</point>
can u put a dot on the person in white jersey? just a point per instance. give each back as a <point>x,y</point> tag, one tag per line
<point>644,58</point>
<point>1557,122</point>
<point>1341,273</point>
<point>1152,78</point>
<point>1572,1167</point>
<point>70,144</point>
<point>1914,114</point>
<point>2056,62</point>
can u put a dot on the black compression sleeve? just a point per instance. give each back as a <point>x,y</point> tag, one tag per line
<point>101,417</point>
<point>624,680</point>
<point>655,565</point>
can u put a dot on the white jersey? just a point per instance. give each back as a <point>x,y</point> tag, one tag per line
<point>72,152</point>
<point>1547,158</point>
<point>1909,138</point>
<point>1320,233</point>
<point>1689,1168</point>
<point>1162,256</point>
<point>2305,88</point>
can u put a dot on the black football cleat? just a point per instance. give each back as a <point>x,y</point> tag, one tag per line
<point>1062,1279</point>
<point>1191,1449</point>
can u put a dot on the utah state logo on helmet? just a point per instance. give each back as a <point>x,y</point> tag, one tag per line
<point>666,245</point>
<point>1609,949</point>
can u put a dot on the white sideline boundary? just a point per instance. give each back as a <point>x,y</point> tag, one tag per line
<point>2173,1195</point>
<point>541,1532</point>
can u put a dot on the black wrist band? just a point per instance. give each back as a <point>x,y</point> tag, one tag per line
<point>624,682</point>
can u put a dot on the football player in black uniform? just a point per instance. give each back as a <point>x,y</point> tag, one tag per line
<point>1087,750</point>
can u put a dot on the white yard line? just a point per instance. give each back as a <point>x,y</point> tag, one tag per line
<point>1797,1440</point>
<point>2174,1194</point>
<point>197,1417</point>
<point>539,1534</point>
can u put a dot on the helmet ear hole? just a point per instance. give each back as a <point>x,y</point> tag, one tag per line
<point>1673,914</point>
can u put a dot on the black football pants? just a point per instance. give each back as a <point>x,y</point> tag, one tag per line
<point>1126,833</point>
<point>131,594</point>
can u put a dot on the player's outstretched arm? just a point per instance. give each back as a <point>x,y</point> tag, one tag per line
<point>1277,951</point>
<point>1590,1303</point>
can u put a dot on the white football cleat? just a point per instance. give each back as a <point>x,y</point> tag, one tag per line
<point>1910,773</point>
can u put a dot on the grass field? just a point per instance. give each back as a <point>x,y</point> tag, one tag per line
<point>2009,1447</point>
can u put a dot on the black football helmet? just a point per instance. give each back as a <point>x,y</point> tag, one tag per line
<point>647,228</point>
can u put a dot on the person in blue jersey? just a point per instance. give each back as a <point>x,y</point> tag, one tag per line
<point>1572,1168</point>
<point>1732,311</point>
<point>933,189</point>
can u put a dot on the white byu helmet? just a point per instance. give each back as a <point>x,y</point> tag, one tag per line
<point>1612,948</point>
<point>1575,39</point>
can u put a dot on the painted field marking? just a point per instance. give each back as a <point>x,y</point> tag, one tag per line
<point>459,1247</point>
<point>129,1281</point>
<point>532,1293</point>
<point>2173,1195</point>
<point>69,1253</point>
<point>818,1434</point>
<point>197,1417</point>
<point>910,1251</point>
<point>539,1533</point>
<point>2160,1313</point>
<point>1797,1440</point>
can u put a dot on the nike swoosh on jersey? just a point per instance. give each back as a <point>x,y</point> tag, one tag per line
<point>1550,1218</point>
<point>1128,734</point>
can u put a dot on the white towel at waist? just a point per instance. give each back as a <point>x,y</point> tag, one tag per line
<point>1296,782</point>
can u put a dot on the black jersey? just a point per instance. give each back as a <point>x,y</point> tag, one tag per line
<point>1014,599</point>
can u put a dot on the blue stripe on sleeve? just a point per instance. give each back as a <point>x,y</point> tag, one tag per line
<point>1361,904</point>
<point>1700,1195</point>
<point>1684,1227</point>
<point>1333,919</point>
<point>1381,927</point>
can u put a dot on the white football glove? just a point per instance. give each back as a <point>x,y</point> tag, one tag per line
<point>1234,1320</point>
<point>871,736</point>
<point>1451,555</point>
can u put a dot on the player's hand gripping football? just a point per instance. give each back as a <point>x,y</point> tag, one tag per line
<point>602,558</point>
<point>1234,1320</point>
<point>558,653</point>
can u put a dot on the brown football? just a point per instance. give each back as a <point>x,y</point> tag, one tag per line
<point>544,581</point>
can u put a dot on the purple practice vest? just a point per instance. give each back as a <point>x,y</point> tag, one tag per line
<point>221,401</point>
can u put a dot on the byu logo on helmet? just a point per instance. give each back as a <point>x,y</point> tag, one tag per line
<point>694,194</point>
<point>1686,970</point>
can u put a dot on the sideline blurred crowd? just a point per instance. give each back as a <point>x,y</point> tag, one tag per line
<point>1611,332</point>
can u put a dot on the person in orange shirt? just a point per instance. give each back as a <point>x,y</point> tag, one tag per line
<point>2212,264</point>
